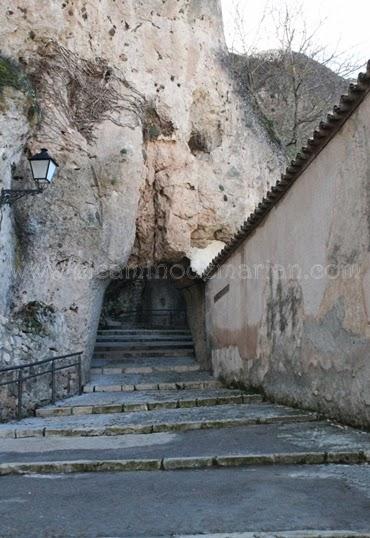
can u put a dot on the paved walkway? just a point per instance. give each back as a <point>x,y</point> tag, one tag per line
<point>155,447</point>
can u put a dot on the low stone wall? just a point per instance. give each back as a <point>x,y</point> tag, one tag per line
<point>26,340</point>
<point>289,311</point>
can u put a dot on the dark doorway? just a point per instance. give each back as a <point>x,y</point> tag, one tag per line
<point>144,301</point>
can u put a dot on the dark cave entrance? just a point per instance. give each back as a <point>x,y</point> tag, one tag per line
<point>158,298</point>
<point>144,299</point>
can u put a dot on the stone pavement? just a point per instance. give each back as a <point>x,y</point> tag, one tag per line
<point>195,458</point>
<point>266,499</point>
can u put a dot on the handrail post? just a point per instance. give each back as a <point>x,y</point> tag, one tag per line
<point>20,393</point>
<point>53,381</point>
<point>79,375</point>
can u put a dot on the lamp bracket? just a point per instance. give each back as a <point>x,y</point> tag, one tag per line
<point>9,196</point>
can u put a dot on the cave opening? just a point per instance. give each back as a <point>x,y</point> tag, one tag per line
<point>144,299</point>
<point>165,298</point>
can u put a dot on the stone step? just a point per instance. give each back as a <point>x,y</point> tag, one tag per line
<point>132,346</point>
<point>144,366</point>
<point>111,369</point>
<point>150,362</point>
<point>140,359</point>
<point>166,420</point>
<point>141,353</point>
<point>293,443</point>
<point>140,338</point>
<point>152,381</point>
<point>146,332</point>
<point>119,402</point>
<point>133,328</point>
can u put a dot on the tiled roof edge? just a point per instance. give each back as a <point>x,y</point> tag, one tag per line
<point>322,135</point>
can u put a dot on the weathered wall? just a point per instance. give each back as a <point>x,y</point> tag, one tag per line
<point>158,154</point>
<point>296,319</point>
<point>194,294</point>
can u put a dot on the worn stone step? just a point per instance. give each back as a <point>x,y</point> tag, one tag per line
<point>118,402</point>
<point>152,381</point>
<point>120,353</point>
<point>145,331</point>
<point>285,444</point>
<point>177,463</point>
<point>112,369</point>
<point>106,346</point>
<point>168,420</point>
<point>150,362</point>
<point>143,338</point>
<point>291,501</point>
<point>133,330</point>
<point>133,366</point>
<point>139,360</point>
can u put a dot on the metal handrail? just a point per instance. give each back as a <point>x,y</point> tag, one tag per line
<point>21,379</point>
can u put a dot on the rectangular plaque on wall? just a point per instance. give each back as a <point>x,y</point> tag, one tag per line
<point>221,293</point>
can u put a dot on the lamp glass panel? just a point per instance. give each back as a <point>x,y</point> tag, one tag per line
<point>39,169</point>
<point>51,172</point>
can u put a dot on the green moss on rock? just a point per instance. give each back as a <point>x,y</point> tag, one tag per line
<point>12,75</point>
<point>34,317</point>
<point>154,125</point>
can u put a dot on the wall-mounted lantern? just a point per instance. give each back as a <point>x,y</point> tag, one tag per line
<point>43,169</point>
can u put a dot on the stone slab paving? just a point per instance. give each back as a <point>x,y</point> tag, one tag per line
<point>151,381</point>
<point>221,416</point>
<point>120,402</point>
<point>269,500</point>
<point>308,442</point>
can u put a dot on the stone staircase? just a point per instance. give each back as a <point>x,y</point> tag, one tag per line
<point>149,407</point>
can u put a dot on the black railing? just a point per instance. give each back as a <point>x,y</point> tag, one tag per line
<point>152,317</point>
<point>21,378</point>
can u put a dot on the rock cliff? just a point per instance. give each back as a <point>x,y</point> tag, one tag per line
<point>293,91</point>
<point>160,158</point>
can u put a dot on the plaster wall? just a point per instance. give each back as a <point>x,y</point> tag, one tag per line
<point>294,321</point>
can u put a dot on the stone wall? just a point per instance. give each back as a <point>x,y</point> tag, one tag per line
<point>289,311</point>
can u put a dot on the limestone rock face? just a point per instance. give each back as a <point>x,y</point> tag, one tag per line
<point>159,156</point>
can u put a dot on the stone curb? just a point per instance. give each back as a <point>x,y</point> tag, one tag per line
<point>131,407</point>
<point>18,433</point>
<point>277,534</point>
<point>182,463</point>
